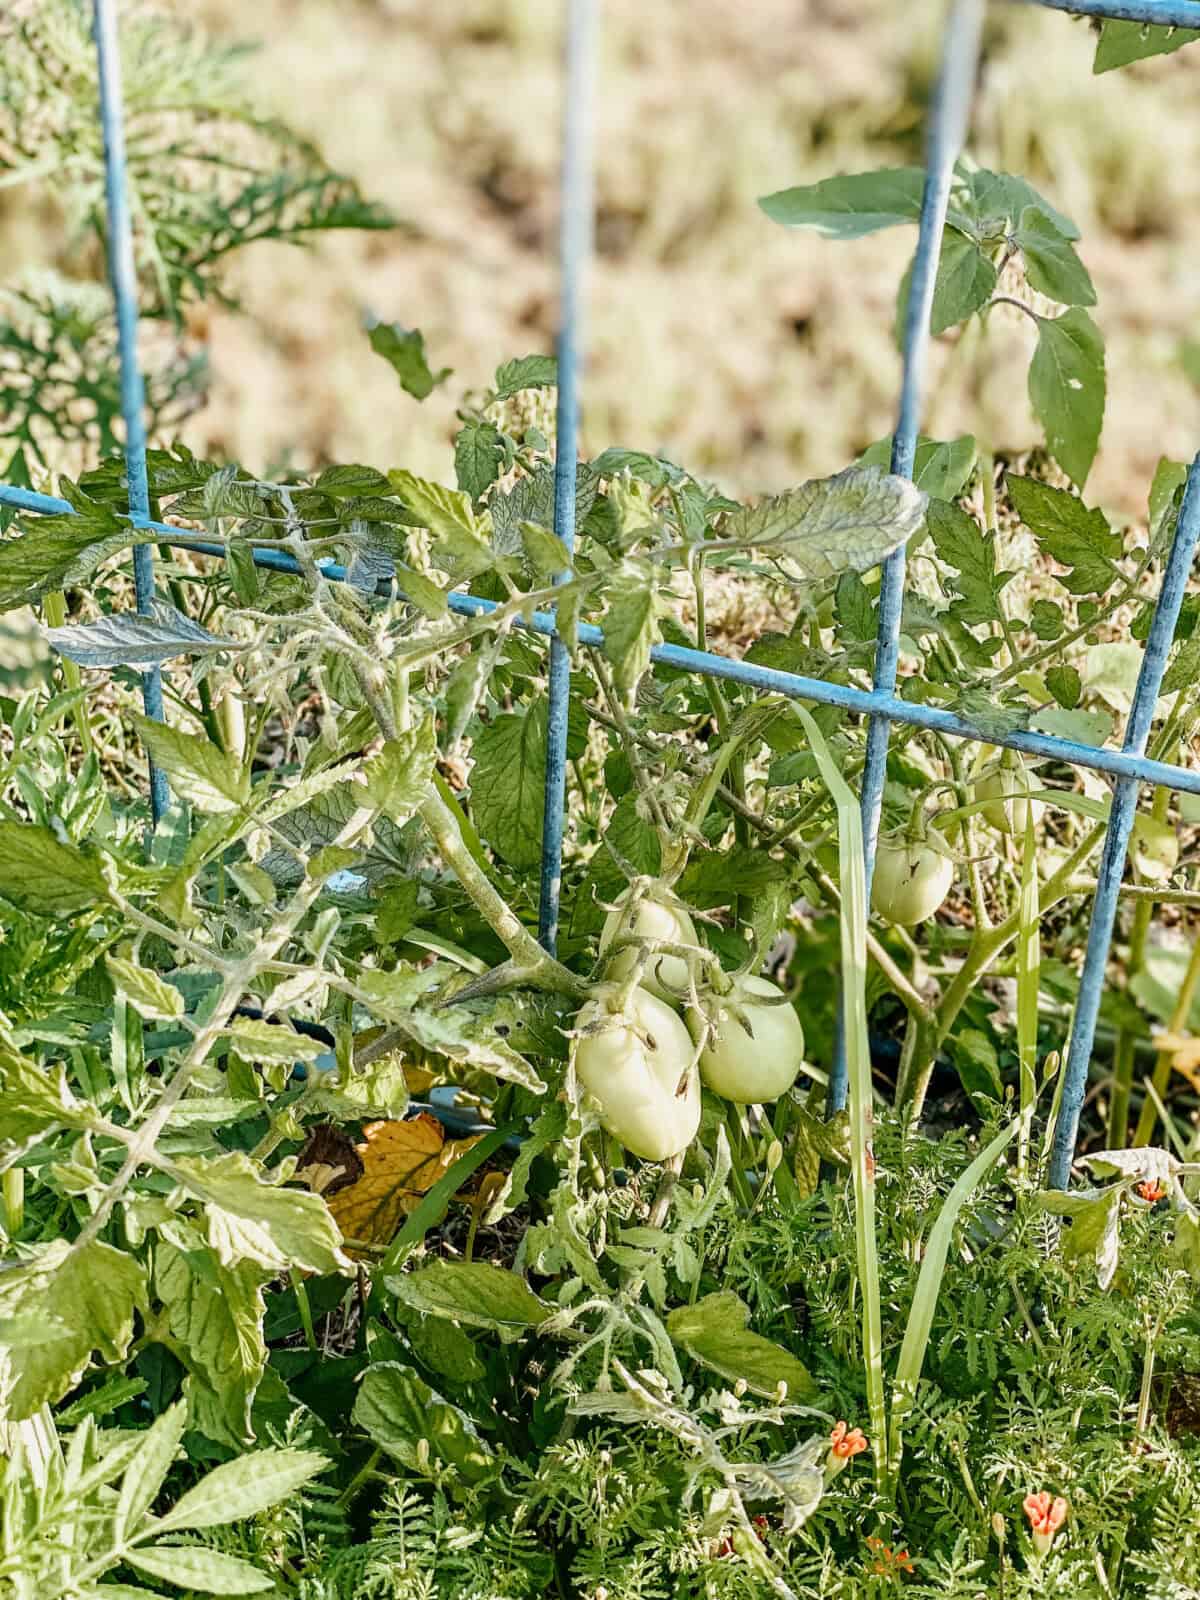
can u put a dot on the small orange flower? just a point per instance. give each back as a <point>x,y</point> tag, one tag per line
<point>887,1561</point>
<point>1046,1517</point>
<point>1151,1191</point>
<point>844,1443</point>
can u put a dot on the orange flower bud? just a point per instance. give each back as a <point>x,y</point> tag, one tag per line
<point>1046,1517</point>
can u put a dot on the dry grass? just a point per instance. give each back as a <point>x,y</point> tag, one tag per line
<point>756,355</point>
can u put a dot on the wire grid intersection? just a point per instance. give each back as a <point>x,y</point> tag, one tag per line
<point>946,132</point>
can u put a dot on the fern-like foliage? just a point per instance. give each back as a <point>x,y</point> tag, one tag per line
<point>206,176</point>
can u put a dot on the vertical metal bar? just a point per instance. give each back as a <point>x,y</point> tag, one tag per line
<point>1120,826</point>
<point>575,246</point>
<point>123,276</point>
<point>947,130</point>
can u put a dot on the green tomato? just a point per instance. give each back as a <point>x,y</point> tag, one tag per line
<point>1007,786</point>
<point>638,1066</point>
<point>752,1068</point>
<point>911,880</point>
<point>664,975</point>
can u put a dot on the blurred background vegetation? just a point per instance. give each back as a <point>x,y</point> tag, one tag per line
<point>753,354</point>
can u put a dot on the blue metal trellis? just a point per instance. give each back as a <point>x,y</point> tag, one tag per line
<point>947,130</point>
<point>1130,766</point>
<point>123,274</point>
<point>575,251</point>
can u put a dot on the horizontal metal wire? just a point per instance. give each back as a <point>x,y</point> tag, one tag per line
<point>1155,13</point>
<point>768,679</point>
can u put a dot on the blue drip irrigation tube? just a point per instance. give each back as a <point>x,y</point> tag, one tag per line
<point>947,130</point>
<point>1120,826</point>
<point>795,686</point>
<point>577,205</point>
<point>123,277</point>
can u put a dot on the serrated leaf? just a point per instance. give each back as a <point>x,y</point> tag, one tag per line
<point>630,623</point>
<point>58,553</point>
<point>250,1220</point>
<point>148,994</point>
<point>854,608</point>
<point>1076,535</point>
<point>852,205</point>
<point>426,595</point>
<point>940,466</point>
<point>243,1488</point>
<point>1095,1230</point>
<point>195,767</point>
<point>39,873</point>
<point>508,783</point>
<point>1067,389</point>
<point>1166,489</point>
<point>971,554</point>
<point>128,639</point>
<point>828,525</point>
<point>965,282</point>
<point>1004,195</point>
<point>93,1292</point>
<point>478,457</point>
<point>1184,669</point>
<point>216,1314</point>
<point>1052,264</point>
<point>459,545</point>
<point>474,1292</point>
<point>198,1567</point>
<point>346,482</point>
<point>146,1473</point>
<point>525,372</point>
<point>404,351</point>
<point>1121,43</point>
<point>544,551</point>
<point>1065,684</point>
<point>1046,620</point>
<point>457,1032</point>
<point>399,776</point>
<point>714,1332</point>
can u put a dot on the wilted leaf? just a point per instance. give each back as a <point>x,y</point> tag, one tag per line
<point>852,520</point>
<point>128,639</point>
<point>216,1314</point>
<point>400,1162</point>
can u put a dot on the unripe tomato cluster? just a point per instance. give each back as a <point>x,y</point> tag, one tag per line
<point>642,1065</point>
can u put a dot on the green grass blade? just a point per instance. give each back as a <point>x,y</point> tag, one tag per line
<point>858,1058</point>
